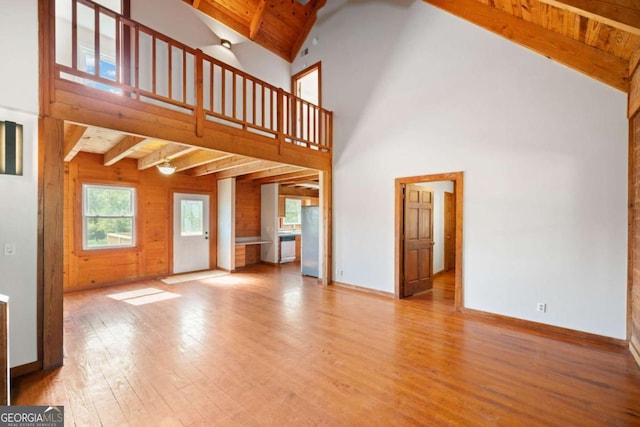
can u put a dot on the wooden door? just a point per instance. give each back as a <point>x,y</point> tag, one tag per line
<point>449,231</point>
<point>418,240</point>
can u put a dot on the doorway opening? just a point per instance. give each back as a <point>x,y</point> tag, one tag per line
<point>307,84</point>
<point>415,237</point>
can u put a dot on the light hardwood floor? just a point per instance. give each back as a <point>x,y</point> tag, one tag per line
<point>268,347</point>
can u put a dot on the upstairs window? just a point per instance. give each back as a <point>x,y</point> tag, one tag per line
<point>108,216</point>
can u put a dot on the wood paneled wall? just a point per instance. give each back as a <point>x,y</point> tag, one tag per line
<point>248,217</point>
<point>152,256</point>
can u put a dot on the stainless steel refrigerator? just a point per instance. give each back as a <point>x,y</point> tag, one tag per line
<point>310,241</point>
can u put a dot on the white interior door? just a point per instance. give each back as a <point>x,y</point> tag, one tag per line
<point>190,232</point>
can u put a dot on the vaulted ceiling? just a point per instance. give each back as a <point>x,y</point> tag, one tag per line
<point>600,38</point>
<point>278,25</point>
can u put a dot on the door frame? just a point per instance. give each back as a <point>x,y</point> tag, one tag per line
<point>458,179</point>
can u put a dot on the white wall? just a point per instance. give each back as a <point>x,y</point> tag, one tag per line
<point>543,149</point>
<point>19,210</point>
<point>200,31</point>
<point>438,188</point>
<point>227,223</point>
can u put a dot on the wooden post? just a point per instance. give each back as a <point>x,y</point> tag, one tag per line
<point>280,118</point>
<point>50,237</point>
<point>199,112</point>
<point>4,350</point>
<point>633,262</point>
<point>327,229</point>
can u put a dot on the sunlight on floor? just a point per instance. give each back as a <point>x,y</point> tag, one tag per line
<point>143,296</point>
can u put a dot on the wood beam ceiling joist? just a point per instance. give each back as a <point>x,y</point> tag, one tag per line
<point>621,14</point>
<point>258,18</point>
<point>167,152</point>
<point>304,174</point>
<point>72,141</point>
<point>245,169</point>
<point>298,191</point>
<point>122,149</point>
<point>595,63</point>
<point>634,61</point>
<point>199,158</point>
<point>278,170</point>
<point>222,165</point>
<point>308,25</point>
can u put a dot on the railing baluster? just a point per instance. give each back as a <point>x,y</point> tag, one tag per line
<point>96,40</point>
<point>234,96</point>
<point>169,73</point>
<point>184,76</point>
<point>74,34</point>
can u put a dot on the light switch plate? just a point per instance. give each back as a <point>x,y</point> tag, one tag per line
<point>9,249</point>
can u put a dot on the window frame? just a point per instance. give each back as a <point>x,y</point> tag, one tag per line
<point>83,217</point>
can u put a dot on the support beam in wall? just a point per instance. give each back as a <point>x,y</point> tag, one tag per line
<point>299,191</point>
<point>304,174</point>
<point>588,60</point>
<point>50,238</point>
<point>621,14</point>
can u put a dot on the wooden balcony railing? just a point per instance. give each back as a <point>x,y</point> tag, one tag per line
<point>100,48</point>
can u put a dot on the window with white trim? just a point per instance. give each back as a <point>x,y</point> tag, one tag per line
<point>108,216</point>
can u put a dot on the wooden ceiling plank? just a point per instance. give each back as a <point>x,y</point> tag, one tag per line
<point>588,60</point>
<point>271,172</point>
<point>308,25</point>
<point>621,14</point>
<point>222,165</point>
<point>245,169</point>
<point>122,149</point>
<point>200,157</point>
<point>72,141</point>
<point>256,21</point>
<point>168,152</point>
<point>196,3</point>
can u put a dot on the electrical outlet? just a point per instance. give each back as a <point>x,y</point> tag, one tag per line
<point>9,249</point>
<point>542,307</point>
<point>340,273</point>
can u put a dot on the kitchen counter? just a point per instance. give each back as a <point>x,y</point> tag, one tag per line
<point>251,241</point>
<point>289,233</point>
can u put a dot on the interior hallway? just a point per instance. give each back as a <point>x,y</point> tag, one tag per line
<point>269,347</point>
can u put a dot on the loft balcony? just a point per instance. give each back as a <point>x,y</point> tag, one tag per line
<point>108,71</point>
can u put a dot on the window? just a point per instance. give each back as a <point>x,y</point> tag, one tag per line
<point>108,219</point>
<point>292,211</point>
<point>192,215</point>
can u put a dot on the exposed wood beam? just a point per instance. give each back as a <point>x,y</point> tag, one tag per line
<point>621,14</point>
<point>298,191</point>
<point>270,172</point>
<point>248,168</point>
<point>287,177</point>
<point>169,151</point>
<point>199,158</point>
<point>634,61</point>
<point>220,14</point>
<point>222,165</point>
<point>308,25</point>
<point>256,21</point>
<point>72,136</point>
<point>122,149</point>
<point>594,63</point>
<point>634,94</point>
<point>196,3</point>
